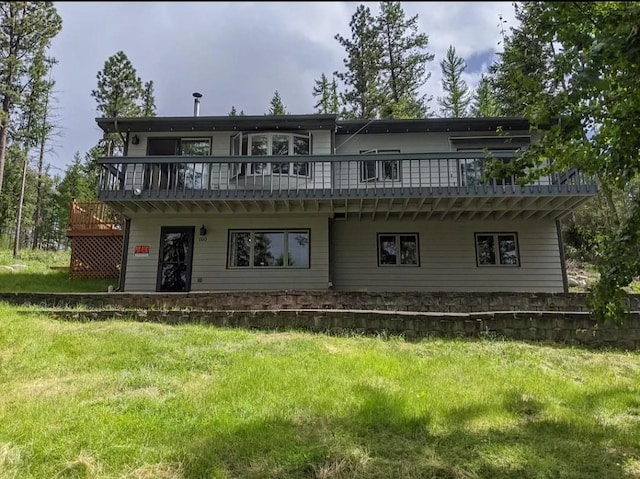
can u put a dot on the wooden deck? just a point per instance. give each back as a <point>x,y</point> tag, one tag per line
<point>94,218</point>
<point>97,235</point>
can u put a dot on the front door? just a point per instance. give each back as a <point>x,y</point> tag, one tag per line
<point>174,262</point>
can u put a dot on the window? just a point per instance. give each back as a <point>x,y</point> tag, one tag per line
<point>497,249</point>
<point>473,170</point>
<point>171,176</point>
<point>270,144</point>
<point>385,170</point>
<point>269,248</point>
<point>398,249</point>
<point>194,175</point>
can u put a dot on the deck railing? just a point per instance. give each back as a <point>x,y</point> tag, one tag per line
<point>389,174</point>
<point>93,216</point>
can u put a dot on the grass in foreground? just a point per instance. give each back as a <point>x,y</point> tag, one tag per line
<point>38,276</point>
<point>138,400</point>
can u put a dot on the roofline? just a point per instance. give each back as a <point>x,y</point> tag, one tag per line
<point>219,123</point>
<point>309,122</point>
<point>432,125</point>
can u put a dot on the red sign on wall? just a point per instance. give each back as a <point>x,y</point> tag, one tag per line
<point>141,250</point>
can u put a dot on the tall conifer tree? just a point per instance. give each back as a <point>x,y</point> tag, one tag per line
<point>361,79</point>
<point>455,102</point>
<point>120,93</point>
<point>276,107</point>
<point>484,100</point>
<point>327,95</point>
<point>26,28</point>
<point>403,65</point>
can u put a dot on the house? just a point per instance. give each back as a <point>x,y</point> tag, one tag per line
<point>311,202</point>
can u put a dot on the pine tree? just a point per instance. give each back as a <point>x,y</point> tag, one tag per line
<point>457,96</point>
<point>26,28</point>
<point>35,129</point>
<point>361,98</point>
<point>403,63</point>
<point>77,184</point>
<point>148,100</point>
<point>276,106</point>
<point>234,112</point>
<point>327,93</point>
<point>520,73</point>
<point>334,101</point>
<point>484,101</point>
<point>321,91</point>
<point>120,93</point>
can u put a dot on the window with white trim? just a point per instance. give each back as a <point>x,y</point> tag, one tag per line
<point>271,144</point>
<point>384,170</point>
<point>398,249</point>
<point>497,249</point>
<point>268,249</point>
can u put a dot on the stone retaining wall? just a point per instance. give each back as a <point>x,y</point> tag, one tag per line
<point>270,300</point>
<point>561,327</point>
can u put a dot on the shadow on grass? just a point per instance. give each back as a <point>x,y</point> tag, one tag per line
<point>54,282</point>
<point>379,439</point>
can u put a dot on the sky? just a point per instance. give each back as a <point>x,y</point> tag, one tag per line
<point>237,53</point>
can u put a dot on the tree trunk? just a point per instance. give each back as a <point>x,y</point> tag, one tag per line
<point>3,151</point>
<point>16,244</point>
<point>38,220</point>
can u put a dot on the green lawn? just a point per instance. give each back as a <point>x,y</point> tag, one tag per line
<point>44,271</point>
<point>121,399</point>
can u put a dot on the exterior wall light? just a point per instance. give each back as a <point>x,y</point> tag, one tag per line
<point>203,231</point>
<point>135,139</point>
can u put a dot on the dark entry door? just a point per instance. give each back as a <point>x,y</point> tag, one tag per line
<point>174,263</point>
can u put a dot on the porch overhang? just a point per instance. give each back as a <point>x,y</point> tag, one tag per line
<point>417,208</point>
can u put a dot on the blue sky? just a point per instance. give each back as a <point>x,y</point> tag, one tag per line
<point>236,53</point>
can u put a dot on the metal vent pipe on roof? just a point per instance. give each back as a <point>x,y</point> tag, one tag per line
<point>196,103</point>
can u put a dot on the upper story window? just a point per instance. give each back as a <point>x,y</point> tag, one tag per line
<point>178,175</point>
<point>385,170</point>
<point>179,146</point>
<point>271,144</point>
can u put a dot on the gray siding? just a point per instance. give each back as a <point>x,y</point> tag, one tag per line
<point>406,142</point>
<point>447,257</point>
<point>413,173</point>
<point>210,256</point>
<point>216,176</point>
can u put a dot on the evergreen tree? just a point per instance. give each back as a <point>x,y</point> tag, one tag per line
<point>120,93</point>
<point>402,66</point>
<point>26,28</point>
<point>276,106</point>
<point>520,73</point>
<point>334,100</point>
<point>148,100</point>
<point>485,103</point>
<point>362,97</point>
<point>327,94</point>
<point>76,183</point>
<point>35,128</point>
<point>234,112</point>
<point>457,96</point>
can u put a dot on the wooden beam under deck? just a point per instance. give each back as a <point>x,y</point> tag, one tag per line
<point>413,208</point>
